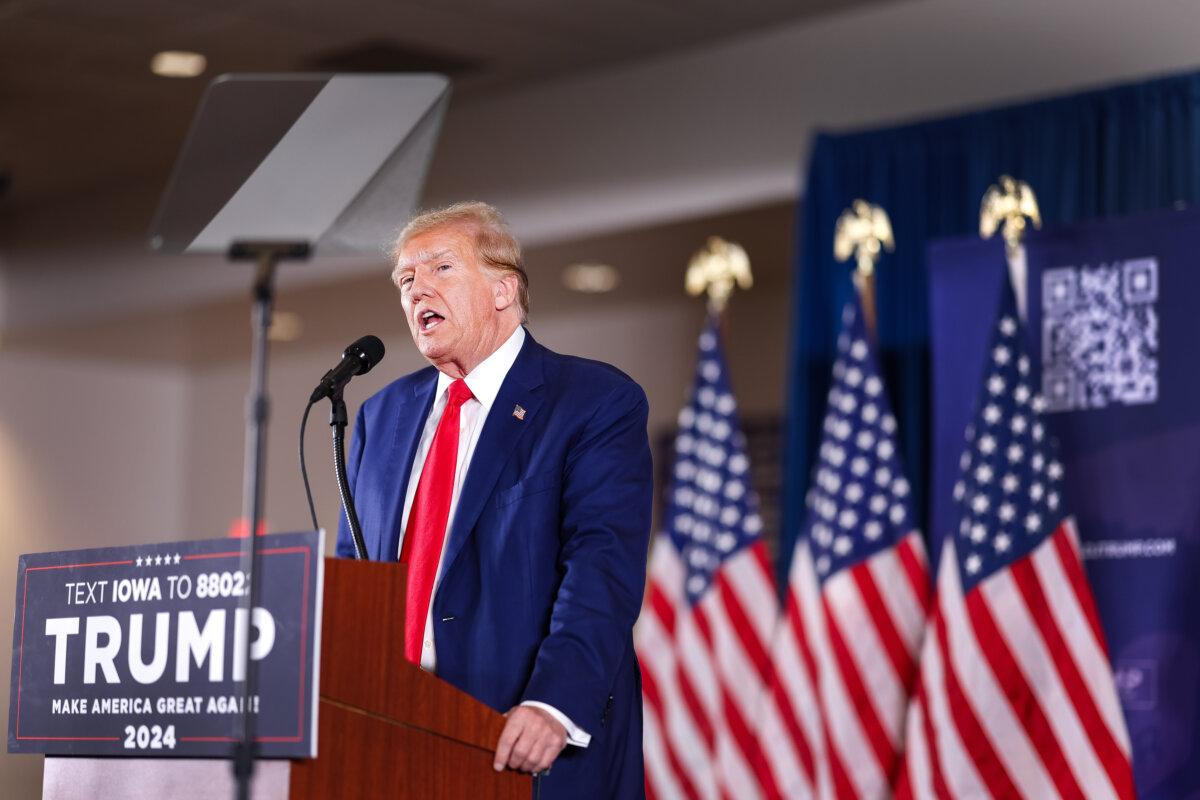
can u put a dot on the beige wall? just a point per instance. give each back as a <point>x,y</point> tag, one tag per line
<point>91,454</point>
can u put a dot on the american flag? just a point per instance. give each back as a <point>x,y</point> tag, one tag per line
<point>710,607</point>
<point>846,648</point>
<point>1016,697</point>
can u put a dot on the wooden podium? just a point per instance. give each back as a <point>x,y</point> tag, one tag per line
<point>387,729</point>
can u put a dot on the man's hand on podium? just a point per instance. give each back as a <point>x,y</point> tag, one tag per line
<point>531,740</point>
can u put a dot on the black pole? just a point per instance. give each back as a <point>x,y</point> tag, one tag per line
<point>338,420</point>
<point>267,255</point>
<point>257,414</point>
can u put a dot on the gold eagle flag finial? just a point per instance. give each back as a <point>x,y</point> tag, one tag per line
<point>863,231</point>
<point>1005,207</point>
<point>716,269</point>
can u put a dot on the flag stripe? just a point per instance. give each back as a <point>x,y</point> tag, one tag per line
<point>950,762</point>
<point>1037,666</point>
<point>907,611</point>
<point>884,626</point>
<point>672,777</point>
<point>1072,565</point>
<point>877,738</point>
<point>1100,736</point>
<point>844,740</point>
<point>1088,653</point>
<point>975,741</point>
<point>791,725</point>
<point>1020,696</point>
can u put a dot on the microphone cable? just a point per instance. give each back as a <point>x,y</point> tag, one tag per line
<point>312,509</point>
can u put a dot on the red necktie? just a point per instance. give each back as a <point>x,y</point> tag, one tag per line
<point>427,521</point>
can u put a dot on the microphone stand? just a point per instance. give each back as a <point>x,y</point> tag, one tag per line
<point>338,420</point>
<point>267,255</point>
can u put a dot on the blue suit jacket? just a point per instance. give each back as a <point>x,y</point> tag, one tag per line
<point>544,570</point>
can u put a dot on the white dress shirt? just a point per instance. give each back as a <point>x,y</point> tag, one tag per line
<point>484,382</point>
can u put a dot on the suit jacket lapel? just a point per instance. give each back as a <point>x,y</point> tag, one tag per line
<point>497,441</point>
<point>411,414</point>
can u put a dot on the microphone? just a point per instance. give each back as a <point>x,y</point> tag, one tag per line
<point>357,359</point>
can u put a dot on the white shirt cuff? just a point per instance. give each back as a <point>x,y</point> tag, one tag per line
<point>575,735</point>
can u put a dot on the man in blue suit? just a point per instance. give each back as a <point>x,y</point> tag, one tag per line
<point>516,484</point>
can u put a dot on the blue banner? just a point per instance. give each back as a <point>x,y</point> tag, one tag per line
<point>140,650</point>
<point>1114,308</point>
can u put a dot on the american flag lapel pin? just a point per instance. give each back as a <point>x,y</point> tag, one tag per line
<point>518,412</point>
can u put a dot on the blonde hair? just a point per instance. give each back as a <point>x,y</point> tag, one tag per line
<point>494,241</point>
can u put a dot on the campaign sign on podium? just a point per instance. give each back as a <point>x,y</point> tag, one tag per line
<point>138,650</point>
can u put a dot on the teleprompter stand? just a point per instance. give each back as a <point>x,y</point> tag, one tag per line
<point>267,256</point>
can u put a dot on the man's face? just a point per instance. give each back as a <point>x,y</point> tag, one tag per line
<point>451,300</point>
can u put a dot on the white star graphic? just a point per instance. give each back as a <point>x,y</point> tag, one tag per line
<point>983,473</point>
<point>1001,355</point>
<point>1032,522</point>
<point>138,561</point>
<point>885,450</point>
<point>896,515</point>
<point>987,444</point>
<point>1001,543</point>
<point>900,487</point>
<point>873,530</point>
<point>978,533</point>
<point>870,413</point>
<point>1052,501</point>
<point>973,564</point>
<point>1054,471</point>
<point>980,503</point>
<point>991,414</point>
<point>1036,491</point>
<point>1008,326</point>
<point>1010,483</point>
<point>959,490</point>
<point>873,386</point>
<point>883,476</point>
<point>1019,424</point>
<point>995,384</point>
<point>1006,512</point>
<point>1023,365</point>
<point>158,561</point>
<point>1015,453</point>
<point>858,350</point>
<point>1021,393</point>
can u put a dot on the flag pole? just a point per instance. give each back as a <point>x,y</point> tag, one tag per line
<point>1005,207</point>
<point>863,231</point>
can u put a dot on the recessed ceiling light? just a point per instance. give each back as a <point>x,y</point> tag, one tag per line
<point>591,278</point>
<point>178,64</point>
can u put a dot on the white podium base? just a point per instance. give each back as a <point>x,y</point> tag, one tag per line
<point>68,778</point>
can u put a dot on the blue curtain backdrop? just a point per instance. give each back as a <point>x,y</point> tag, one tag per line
<point>1101,153</point>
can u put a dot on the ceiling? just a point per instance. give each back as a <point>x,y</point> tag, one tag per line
<point>82,117</point>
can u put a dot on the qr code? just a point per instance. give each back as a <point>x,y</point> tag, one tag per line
<point>1100,335</point>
